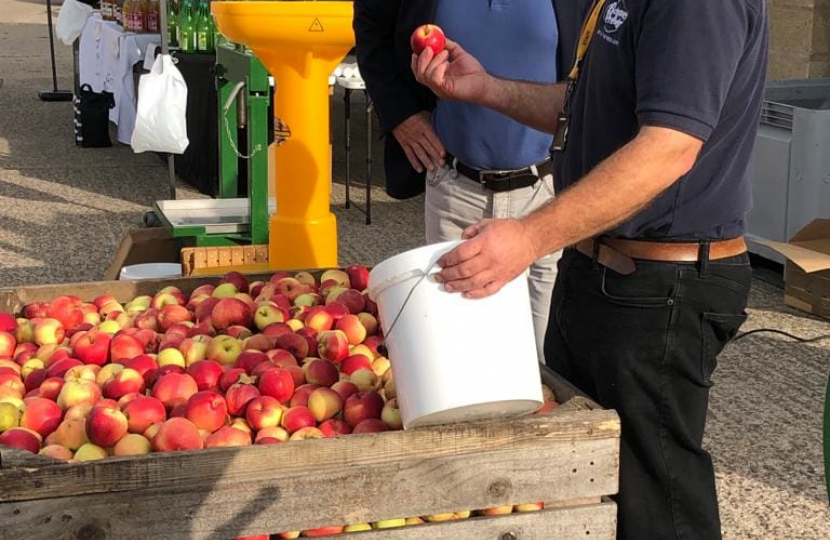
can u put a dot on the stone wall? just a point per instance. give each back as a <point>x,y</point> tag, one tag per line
<point>799,39</point>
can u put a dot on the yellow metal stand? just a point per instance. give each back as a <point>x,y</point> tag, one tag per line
<point>300,43</point>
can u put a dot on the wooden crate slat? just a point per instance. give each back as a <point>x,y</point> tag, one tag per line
<point>549,435</point>
<point>14,458</point>
<point>221,517</point>
<point>597,522</point>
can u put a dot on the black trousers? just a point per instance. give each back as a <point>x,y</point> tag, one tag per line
<point>646,345</point>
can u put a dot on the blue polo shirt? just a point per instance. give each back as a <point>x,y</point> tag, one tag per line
<point>513,39</point>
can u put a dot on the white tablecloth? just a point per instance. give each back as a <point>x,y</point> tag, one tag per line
<point>106,58</point>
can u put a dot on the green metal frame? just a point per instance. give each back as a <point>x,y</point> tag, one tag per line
<point>232,66</point>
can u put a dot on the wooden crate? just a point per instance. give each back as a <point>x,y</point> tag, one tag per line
<point>568,458</point>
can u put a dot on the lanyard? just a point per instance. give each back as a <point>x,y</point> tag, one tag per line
<point>585,38</point>
<point>560,138</point>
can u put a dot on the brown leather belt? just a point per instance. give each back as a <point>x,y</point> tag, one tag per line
<point>619,254</point>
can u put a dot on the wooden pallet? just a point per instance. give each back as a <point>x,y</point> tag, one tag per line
<point>568,458</point>
<point>212,261</point>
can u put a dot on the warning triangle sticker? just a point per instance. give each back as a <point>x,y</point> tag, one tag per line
<point>316,26</point>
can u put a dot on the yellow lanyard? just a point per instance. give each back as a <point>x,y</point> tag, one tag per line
<point>585,39</point>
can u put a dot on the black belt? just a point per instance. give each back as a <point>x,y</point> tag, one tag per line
<point>500,181</point>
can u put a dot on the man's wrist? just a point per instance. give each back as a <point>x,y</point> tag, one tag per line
<point>495,92</point>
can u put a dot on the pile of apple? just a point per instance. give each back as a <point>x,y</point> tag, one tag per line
<point>234,364</point>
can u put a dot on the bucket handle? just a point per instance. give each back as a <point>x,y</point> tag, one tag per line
<point>416,273</point>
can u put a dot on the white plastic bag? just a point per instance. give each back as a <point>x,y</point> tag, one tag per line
<point>161,123</point>
<point>71,20</point>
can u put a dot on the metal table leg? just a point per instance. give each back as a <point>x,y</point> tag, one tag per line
<point>348,137</point>
<point>369,109</point>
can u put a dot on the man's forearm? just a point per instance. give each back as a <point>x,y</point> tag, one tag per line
<point>615,190</point>
<point>533,104</point>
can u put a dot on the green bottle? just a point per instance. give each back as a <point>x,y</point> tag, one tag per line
<point>204,29</point>
<point>187,29</point>
<point>172,25</point>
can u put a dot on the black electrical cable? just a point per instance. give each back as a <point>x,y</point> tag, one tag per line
<point>781,332</point>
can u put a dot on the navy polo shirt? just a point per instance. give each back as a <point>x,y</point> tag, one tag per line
<point>513,39</point>
<point>697,66</point>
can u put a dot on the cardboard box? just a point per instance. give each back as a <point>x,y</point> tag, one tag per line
<point>807,273</point>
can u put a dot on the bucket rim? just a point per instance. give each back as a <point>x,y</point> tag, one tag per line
<point>437,251</point>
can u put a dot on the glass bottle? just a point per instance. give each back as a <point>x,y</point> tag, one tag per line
<point>187,30</point>
<point>152,17</point>
<point>127,15</point>
<point>206,30</point>
<point>172,24</point>
<point>117,11</point>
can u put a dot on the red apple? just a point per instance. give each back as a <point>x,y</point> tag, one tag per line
<point>275,330</point>
<point>177,434</point>
<point>122,383</point>
<point>370,425</point>
<point>147,320</point>
<point>41,415</point>
<point>22,438</point>
<point>428,35</point>
<point>293,343</point>
<point>263,412</point>
<point>8,323</point>
<point>358,276</point>
<point>277,383</point>
<point>233,376</point>
<point>106,426</point>
<point>335,427</point>
<point>230,312</point>
<point>297,418</point>
<point>261,368</point>
<point>259,342</point>
<point>337,310</point>
<point>300,397</point>
<point>143,412</point>
<point>323,531</point>
<point>124,347</point>
<point>355,362</point>
<point>51,388</point>
<point>239,396</point>
<point>333,345</point>
<point>92,347</point>
<point>206,373</point>
<point>145,364</point>
<point>228,436</point>
<point>8,343</point>
<point>321,372</point>
<point>248,360</point>
<point>207,410</point>
<point>362,406</point>
<point>351,326</point>
<point>174,389</point>
<point>345,389</point>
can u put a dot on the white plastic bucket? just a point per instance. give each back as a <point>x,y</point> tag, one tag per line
<point>151,271</point>
<point>455,359</point>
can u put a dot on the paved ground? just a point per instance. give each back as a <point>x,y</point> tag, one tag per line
<point>63,211</point>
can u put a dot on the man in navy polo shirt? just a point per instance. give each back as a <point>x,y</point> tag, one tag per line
<point>479,163</point>
<point>653,140</point>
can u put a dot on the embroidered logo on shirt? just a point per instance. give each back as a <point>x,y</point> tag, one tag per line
<point>615,16</point>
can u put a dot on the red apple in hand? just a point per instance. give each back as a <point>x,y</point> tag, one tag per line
<point>428,35</point>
